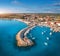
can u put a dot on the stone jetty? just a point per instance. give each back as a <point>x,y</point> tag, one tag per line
<point>22,39</point>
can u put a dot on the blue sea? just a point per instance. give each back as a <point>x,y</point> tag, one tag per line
<point>46,42</point>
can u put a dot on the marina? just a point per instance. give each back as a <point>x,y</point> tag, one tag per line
<point>25,38</point>
<point>29,27</point>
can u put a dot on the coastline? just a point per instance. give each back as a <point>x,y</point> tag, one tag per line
<point>21,20</point>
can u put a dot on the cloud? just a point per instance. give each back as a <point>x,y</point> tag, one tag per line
<point>15,2</point>
<point>56,4</point>
<point>52,10</point>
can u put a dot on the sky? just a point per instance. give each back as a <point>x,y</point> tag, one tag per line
<point>29,6</point>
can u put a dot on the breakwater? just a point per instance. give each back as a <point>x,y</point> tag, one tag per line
<point>22,39</point>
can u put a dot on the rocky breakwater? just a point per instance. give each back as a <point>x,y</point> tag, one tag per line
<point>22,39</point>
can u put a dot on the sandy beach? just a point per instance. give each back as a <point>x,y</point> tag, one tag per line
<point>21,20</point>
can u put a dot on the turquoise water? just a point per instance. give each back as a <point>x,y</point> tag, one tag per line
<point>47,42</point>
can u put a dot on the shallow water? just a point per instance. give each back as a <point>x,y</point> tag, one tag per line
<point>47,42</point>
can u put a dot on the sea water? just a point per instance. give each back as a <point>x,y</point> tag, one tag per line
<point>46,42</point>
